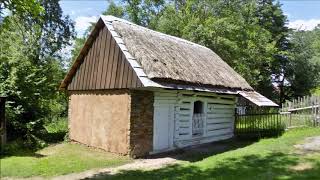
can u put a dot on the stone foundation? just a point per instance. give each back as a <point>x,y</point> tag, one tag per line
<point>141,123</point>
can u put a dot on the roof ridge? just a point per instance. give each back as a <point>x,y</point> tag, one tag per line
<point>110,18</point>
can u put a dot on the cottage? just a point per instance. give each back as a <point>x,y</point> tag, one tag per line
<point>135,91</point>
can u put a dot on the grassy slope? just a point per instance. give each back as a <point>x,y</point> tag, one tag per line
<point>57,160</point>
<point>266,159</point>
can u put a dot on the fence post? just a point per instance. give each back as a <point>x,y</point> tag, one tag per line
<point>235,122</point>
<point>314,116</point>
<point>3,130</point>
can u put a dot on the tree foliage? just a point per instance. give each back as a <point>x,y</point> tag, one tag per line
<point>22,8</point>
<point>31,67</point>
<point>304,69</point>
<point>115,10</point>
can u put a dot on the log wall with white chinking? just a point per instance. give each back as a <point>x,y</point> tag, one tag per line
<point>218,116</point>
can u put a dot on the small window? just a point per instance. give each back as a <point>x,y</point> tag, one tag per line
<point>197,119</point>
<point>198,107</point>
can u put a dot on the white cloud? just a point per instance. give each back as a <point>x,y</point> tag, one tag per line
<point>287,14</point>
<point>304,24</point>
<point>83,22</point>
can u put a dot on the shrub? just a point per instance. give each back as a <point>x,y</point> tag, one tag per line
<point>57,130</point>
<point>58,125</point>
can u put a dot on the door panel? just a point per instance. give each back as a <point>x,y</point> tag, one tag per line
<point>161,128</point>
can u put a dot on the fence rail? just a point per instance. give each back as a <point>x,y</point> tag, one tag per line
<point>259,123</point>
<point>303,111</point>
<point>255,121</point>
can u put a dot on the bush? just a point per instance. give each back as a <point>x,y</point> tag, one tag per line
<point>51,131</point>
<point>58,125</point>
<point>22,146</point>
<point>57,130</point>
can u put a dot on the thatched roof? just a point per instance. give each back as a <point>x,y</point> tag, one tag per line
<point>165,61</point>
<point>168,58</point>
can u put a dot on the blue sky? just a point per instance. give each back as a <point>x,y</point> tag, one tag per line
<point>302,14</point>
<point>83,12</point>
<point>303,9</point>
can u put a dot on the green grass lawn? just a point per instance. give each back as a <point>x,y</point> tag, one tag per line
<point>57,160</point>
<point>273,158</point>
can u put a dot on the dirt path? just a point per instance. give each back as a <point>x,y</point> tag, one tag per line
<point>311,144</point>
<point>141,164</point>
<point>185,155</point>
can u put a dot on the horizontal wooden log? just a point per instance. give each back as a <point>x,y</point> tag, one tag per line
<point>222,111</point>
<point>184,112</point>
<point>219,120</point>
<point>184,118</point>
<point>222,106</point>
<point>183,136</point>
<point>185,106</point>
<point>221,101</point>
<point>219,132</point>
<point>183,123</point>
<point>164,102</point>
<point>165,94</point>
<point>211,127</point>
<point>165,98</point>
<point>214,116</point>
<point>184,130</point>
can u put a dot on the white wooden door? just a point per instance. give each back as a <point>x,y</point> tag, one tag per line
<point>162,128</point>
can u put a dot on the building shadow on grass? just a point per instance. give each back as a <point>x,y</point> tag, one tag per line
<point>270,166</point>
<point>21,153</point>
<point>200,152</point>
<point>21,148</point>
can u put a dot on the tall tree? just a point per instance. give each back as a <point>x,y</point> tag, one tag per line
<point>55,29</point>
<point>304,69</point>
<point>143,12</point>
<point>114,10</point>
<point>272,18</point>
<point>22,8</point>
<point>31,67</point>
<point>230,28</point>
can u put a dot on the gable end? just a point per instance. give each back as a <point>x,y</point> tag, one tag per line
<point>104,64</point>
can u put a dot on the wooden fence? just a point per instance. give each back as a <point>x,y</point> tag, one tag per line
<point>303,111</point>
<point>259,123</point>
<point>3,135</point>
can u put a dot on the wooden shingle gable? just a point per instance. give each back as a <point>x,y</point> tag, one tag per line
<point>105,64</point>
